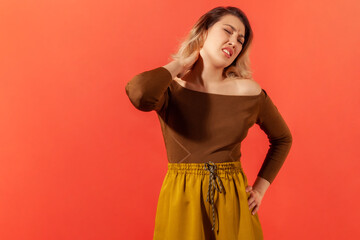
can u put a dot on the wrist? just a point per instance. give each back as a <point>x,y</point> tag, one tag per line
<point>174,67</point>
<point>180,67</point>
<point>261,185</point>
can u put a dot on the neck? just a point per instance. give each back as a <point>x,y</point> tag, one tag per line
<point>204,74</point>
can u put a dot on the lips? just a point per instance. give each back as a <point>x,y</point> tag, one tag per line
<point>230,50</point>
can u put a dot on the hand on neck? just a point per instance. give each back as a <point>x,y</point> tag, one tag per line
<point>203,74</point>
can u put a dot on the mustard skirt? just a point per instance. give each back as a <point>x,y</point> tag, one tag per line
<point>205,201</point>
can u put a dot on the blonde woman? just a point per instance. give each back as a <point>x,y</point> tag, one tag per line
<point>206,101</point>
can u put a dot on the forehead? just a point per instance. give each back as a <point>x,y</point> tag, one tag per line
<point>233,21</point>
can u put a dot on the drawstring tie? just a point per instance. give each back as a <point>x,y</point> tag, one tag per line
<point>211,167</point>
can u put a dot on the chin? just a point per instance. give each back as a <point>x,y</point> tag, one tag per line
<point>228,65</point>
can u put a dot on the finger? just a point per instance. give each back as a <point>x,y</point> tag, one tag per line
<point>250,199</point>
<point>194,54</point>
<point>255,210</point>
<point>251,202</point>
<point>251,194</point>
<point>251,205</point>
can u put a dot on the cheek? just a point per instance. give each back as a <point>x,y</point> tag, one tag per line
<point>215,39</point>
<point>210,45</point>
<point>240,49</point>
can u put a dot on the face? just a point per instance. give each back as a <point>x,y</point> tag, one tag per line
<point>228,32</point>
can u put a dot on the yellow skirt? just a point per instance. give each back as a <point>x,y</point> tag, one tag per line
<point>205,201</point>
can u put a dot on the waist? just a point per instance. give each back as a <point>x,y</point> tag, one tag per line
<point>200,168</point>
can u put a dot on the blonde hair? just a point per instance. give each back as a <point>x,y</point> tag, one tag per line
<point>240,67</point>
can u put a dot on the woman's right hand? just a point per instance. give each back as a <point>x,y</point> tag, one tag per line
<point>187,63</point>
<point>180,66</point>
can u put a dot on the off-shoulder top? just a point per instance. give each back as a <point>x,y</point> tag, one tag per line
<point>199,127</point>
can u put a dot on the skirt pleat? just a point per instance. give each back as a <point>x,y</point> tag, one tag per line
<point>183,211</point>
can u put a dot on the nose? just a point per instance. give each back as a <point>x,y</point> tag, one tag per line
<point>232,40</point>
<point>232,43</point>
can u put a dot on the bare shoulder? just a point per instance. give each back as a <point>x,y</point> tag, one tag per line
<point>249,86</point>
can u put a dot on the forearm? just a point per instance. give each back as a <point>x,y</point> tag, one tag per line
<point>174,68</point>
<point>261,185</point>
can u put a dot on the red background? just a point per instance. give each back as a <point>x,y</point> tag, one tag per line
<point>78,161</point>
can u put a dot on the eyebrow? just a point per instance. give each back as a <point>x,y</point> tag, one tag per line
<point>234,29</point>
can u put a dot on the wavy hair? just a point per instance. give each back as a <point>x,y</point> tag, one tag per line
<point>240,67</point>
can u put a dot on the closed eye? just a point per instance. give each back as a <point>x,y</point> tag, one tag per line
<point>230,33</point>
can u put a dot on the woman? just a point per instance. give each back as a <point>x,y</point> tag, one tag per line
<point>206,100</point>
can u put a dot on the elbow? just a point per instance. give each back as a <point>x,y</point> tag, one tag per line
<point>287,142</point>
<point>138,99</point>
<point>283,140</point>
<point>289,139</point>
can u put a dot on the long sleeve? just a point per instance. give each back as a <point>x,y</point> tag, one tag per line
<point>148,90</point>
<point>280,138</point>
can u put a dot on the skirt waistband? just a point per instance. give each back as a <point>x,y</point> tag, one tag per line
<point>214,170</point>
<point>201,168</point>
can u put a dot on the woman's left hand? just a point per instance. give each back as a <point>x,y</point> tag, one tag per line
<point>254,199</point>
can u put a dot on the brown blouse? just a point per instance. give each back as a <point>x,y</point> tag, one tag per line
<point>199,127</point>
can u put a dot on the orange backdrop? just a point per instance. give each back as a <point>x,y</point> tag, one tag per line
<point>78,161</point>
